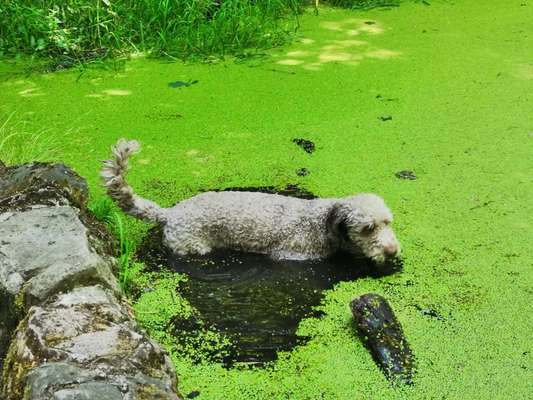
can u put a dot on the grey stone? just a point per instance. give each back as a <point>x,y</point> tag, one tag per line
<point>44,250</point>
<point>33,240</point>
<point>48,249</point>
<point>59,380</point>
<point>61,276</point>
<point>76,338</point>
<point>89,391</point>
<point>62,381</point>
<point>90,329</point>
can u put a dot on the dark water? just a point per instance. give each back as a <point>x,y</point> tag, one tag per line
<point>290,190</point>
<point>255,301</point>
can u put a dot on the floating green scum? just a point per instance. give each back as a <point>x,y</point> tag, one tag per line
<point>456,80</point>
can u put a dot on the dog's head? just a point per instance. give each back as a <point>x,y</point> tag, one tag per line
<point>361,225</point>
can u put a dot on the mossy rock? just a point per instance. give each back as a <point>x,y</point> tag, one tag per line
<point>41,183</point>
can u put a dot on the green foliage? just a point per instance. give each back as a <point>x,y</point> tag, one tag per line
<point>104,209</point>
<point>83,28</point>
<point>19,143</point>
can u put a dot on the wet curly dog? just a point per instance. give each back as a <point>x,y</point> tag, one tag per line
<point>282,227</point>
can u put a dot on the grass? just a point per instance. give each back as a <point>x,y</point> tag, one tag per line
<point>456,78</point>
<point>104,209</point>
<point>85,29</point>
<point>20,142</point>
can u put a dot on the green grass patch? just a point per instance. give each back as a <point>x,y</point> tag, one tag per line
<point>22,142</point>
<point>104,209</point>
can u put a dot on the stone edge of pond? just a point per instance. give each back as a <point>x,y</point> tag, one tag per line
<point>66,330</point>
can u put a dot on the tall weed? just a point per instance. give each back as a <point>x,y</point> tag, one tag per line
<point>104,210</point>
<point>19,143</point>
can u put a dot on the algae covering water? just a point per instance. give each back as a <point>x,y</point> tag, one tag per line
<point>456,81</point>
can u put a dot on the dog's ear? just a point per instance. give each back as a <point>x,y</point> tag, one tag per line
<point>336,222</point>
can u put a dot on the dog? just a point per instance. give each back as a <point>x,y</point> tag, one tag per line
<point>282,227</point>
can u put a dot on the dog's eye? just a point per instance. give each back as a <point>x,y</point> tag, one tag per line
<point>367,229</point>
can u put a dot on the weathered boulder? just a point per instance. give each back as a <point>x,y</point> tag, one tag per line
<point>76,338</point>
<point>46,250</point>
<point>87,330</point>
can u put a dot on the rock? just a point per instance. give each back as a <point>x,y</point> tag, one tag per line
<point>76,338</point>
<point>61,242</point>
<point>72,383</point>
<point>41,183</point>
<point>89,338</point>
<point>33,241</point>
<point>9,317</point>
<point>382,334</point>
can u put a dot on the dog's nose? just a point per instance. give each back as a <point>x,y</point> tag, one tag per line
<point>391,249</point>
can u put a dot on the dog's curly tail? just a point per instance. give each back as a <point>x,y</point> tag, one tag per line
<point>114,175</point>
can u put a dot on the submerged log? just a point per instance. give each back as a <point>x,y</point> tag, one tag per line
<point>382,334</point>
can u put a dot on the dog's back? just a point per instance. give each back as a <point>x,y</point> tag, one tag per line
<point>250,221</point>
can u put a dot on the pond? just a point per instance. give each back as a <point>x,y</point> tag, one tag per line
<point>254,301</point>
<point>438,94</point>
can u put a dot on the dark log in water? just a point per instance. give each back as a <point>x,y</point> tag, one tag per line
<point>382,334</point>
